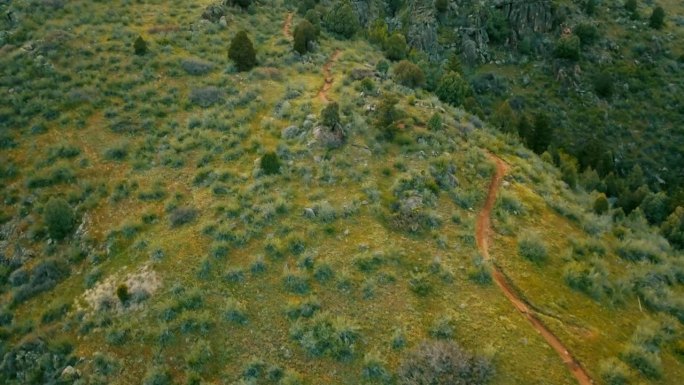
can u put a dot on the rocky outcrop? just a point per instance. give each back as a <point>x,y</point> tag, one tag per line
<point>528,16</point>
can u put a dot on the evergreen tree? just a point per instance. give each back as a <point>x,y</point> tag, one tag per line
<point>59,218</point>
<point>631,6</point>
<point>601,204</point>
<point>525,130</point>
<point>504,117</point>
<point>673,228</point>
<point>542,133</point>
<point>342,20</point>
<point>441,5</point>
<point>242,52</point>
<point>270,163</point>
<point>330,116</point>
<point>453,89</point>
<point>304,34</point>
<point>395,47</point>
<point>657,20</point>
<point>386,116</point>
<point>140,46</point>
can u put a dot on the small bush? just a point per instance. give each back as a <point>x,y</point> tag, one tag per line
<point>395,47</point>
<point>375,369</point>
<point>603,85</point>
<point>157,376</point>
<point>123,294</point>
<point>409,74</point>
<point>587,33</point>
<point>270,163</point>
<point>614,372</point>
<point>341,19</point>
<point>324,335</point>
<point>531,247</point>
<point>206,96</point>
<point>182,215</point>
<point>568,47</point>
<point>601,205</point>
<point>59,218</point>
<point>140,46</point>
<point>196,67</point>
<point>444,363</point>
<point>235,311</point>
<point>646,362</point>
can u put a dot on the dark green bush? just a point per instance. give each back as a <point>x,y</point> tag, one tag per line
<point>453,89</point>
<point>242,52</point>
<point>157,376</point>
<point>587,33</point>
<point>123,294</point>
<point>304,35</point>
<point>325,335</point>
<point>673,228</point>
<point>341,19</point>
<point>568,47</point>
<point>657,19</point>
<point>441,5</point>
<point>59,218</point>
<point>631,6</point>
<point>330,116</point>
<point>443,363</point>
<point>395,47</point>
<point>182,215</point>
<point>270,163</point>
<point>409,74</point>
<point>601,204</point>
<point>614,372</point>
<point>603,85</point>
<point>140,46</point>
<point>645,361</point>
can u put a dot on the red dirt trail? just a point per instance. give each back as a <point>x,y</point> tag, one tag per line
<point>287,25</point>
<point>483,230</point>
<point>323,93</point>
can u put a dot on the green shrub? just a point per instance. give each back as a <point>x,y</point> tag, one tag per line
<point>657,19</point>
<point>443,363</point>
<point>587,33</point>
<point>386,116</point>
<point>655,207</point>
<point>395,47</point>
<point>270,163</point>
<point>304,35</point>
<point>603,85</point>
<point>375,369</point>
<point>646,362</point>
<point>435,122</point>
<point>157,376</point>
<point>182,215</point>
<point>631,6</point>
<point>123,294</point>
<point>441,5</point>
<point>242,52</point>
<point>673,228</point>
<point>235,311</point>
<point>568,47</point>
<point>636,250</point>
<point>342,20</point>
<point>330,115</point>
<point>531,247</point>
<point>140,46</point>
<point>59,218</point>
<point>325,335</point>
<point>443,328</point>
<point>601,204</point>
<point>408,74</point>
<point>614,372</point>
<point>453,89</point>
<point>296,283</point>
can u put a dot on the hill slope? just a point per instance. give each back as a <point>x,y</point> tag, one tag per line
<point>189,260</point>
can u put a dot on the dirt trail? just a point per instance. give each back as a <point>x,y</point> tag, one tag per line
<point>287,26</point>
<point>483,230</point>
<point>323,93</point>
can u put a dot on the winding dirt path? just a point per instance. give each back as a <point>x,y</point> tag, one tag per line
<point>287,26</point>
<point>323,92</point>
<point>483,231</point>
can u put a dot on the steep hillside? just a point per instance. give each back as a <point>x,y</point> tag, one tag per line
<point>168,218</point>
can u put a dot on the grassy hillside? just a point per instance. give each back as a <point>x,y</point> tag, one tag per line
<point>188,261</point>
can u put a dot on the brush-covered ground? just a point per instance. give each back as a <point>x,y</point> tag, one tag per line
<point>190,264</point>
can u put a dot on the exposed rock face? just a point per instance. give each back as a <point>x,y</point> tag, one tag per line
<point>422,28</point>
<point>527,16</point>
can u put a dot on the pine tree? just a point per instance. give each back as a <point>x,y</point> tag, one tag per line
<point>140,46</point>
<point>59,218</point>
<point>542,133</point>
<point>304,34</point>
<point>242,52</point>
<point>657,20</point>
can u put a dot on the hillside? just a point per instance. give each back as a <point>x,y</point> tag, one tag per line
<point>169,217</point>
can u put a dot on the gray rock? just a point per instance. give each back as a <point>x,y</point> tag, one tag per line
<point>223,22</point>
<point>70,373</point>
